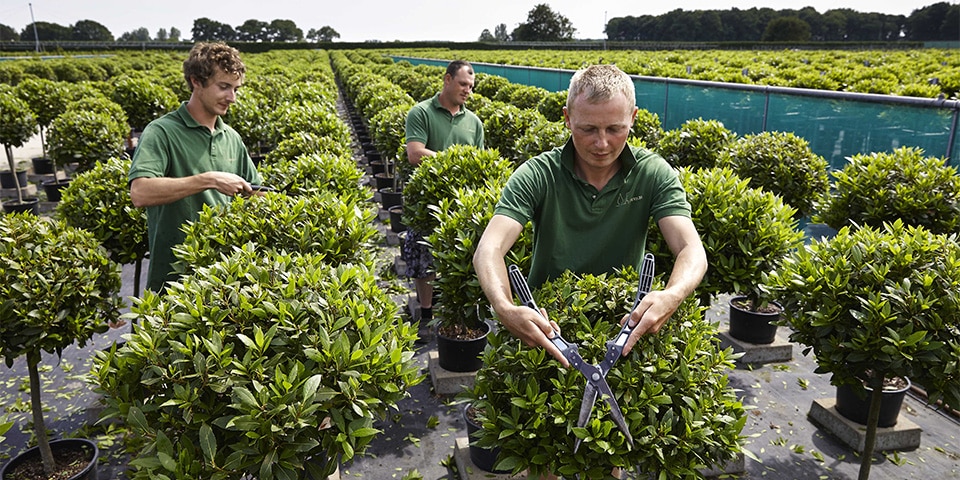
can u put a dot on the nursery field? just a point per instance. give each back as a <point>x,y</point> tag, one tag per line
<point>291,346</point>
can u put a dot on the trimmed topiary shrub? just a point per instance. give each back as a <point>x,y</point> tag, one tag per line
<point>321,224</point>
<point>265,364</point>
<point>312,173</point>
<point>540,137</point>
<point>672,389</point>
<point>143,100</point>
<point>877,188</point>
<point>98,201</point>
<point>432,181</point>
<point>697,143</point>
<point>782,163</point>
<point>505,125</point>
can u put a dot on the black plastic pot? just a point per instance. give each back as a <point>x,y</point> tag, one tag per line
<point>30,205</point>
<point>482,458</point>
<point>43,166</point>
<point>88,473</point>
<point>457,355</point>
<point>396,219</point>
<point>390,198</point>
<point>7,179</point>
<point>753,327</point>
<point>373,156</point>
<point>53,188</point>
<point>377,167</point>
<point>382,180</point>
<point>853,403</point>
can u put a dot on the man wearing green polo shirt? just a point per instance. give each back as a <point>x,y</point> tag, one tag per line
<point>189,158</point>
<point>433,125</point>
<point>590,202</point>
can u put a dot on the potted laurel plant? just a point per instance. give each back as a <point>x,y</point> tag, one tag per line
<point>746,232</point>
<point>17,125</point>
<point>143,100</point>
<point>321,223</point>
<point>280,374</point>
<point>98,201</point>
<point>782,163</point>
<point>873,304</point>
<point>90,130</point>
<point>881,187</point>
<point>425,195</point>
<point>462,219</point>
<point>697,143</point>
<point>47,99</point>
<point>59,289</point>
<point>672,388</point>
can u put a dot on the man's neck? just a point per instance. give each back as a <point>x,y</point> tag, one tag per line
<point>201,115</point>
<point>452,107</point>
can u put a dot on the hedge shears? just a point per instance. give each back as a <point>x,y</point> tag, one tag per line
<point>595,374</point>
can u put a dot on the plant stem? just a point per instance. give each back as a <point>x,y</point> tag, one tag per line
<point>13,170</point>
<point>870,439</point>
<point>36,406</point>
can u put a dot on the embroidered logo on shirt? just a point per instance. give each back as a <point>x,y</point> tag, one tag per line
<point>621,201</point>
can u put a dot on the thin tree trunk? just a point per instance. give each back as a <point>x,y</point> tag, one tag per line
<point>870,440</point>
<point>36,406</point>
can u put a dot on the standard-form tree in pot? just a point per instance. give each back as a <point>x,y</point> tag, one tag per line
<point>877,303</point>
<point>672,389</point>
<point>98,201</point>
<point>90,130</point>
<point>882,187</point>
<point>59,288</point>
<point>782,163</point>
<point>143,100</point>
<point>430,184</point>
<point>46,99</point>
<point>746,232</point>
<point>463,305</point>
<point>278,373</point>
<point>17,125</point>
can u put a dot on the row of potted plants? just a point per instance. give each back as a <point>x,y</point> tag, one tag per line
<point>303,272</point>
<point>735,187</point>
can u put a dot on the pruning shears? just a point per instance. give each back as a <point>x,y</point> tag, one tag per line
<point>595,374</point>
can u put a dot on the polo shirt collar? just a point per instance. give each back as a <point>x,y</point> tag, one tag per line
<point>190,122</point>
<point>435,103</point>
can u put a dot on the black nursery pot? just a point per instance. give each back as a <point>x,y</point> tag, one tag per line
<point>455,355</point>
<point>7,179</point>
<point>89,447</point>
<point>482,458</point>
<point>43,166</point>
<point>396,219</point>
<point>753,327</point>
<point>54,188</point>
<point>855,407</point>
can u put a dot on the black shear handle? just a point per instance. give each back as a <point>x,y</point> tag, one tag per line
<point>615,346</point>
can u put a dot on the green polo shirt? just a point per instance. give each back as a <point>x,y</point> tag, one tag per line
<point>434,126</point>
<point>581,229</point>
<point>175,145</point>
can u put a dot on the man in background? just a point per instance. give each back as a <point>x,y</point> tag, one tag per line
<point>433,125</point>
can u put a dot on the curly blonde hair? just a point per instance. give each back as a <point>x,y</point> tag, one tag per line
<point>206,58</point>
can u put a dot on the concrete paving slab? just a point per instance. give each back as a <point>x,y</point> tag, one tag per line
<point>756,354</point>
<point>905,435</point>
<point>446,382</point>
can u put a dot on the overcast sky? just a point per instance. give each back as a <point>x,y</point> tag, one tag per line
<point>388,20</point>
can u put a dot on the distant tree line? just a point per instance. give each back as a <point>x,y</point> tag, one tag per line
<point>940,21</point>
<point>204,29</point>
